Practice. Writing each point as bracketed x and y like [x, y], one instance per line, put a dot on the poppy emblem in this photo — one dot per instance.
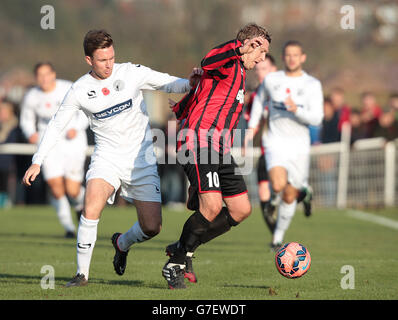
[105, 91]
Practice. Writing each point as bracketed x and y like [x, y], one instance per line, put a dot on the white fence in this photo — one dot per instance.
[362, 175]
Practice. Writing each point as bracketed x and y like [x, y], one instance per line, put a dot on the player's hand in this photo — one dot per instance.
[71, 134]
[31, 174]
[195, 76]
[250, 45]
[33, 138]
[290, 105]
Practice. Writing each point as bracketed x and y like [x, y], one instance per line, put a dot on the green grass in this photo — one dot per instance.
[237, 265]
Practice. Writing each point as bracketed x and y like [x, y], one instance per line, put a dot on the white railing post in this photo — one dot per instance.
[342, 184]
[389, 174]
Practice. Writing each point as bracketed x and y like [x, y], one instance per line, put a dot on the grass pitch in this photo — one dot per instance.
[237, 265]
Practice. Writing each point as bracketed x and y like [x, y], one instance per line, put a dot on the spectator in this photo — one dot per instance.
[341, 108]
[388, 122]
[327, 163]
[357, 129]
[8, 134]
[370, 113]
[393, 104]
[330, 125]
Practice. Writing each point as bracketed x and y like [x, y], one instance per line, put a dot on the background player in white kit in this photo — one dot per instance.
[111, 97]
[295, 101]
[63, 168]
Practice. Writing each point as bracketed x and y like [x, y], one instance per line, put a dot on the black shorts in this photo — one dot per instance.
[213, 172]
[262, 173]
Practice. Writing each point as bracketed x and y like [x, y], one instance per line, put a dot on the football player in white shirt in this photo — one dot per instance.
[63, 168]
[111, 97]
[295, 102]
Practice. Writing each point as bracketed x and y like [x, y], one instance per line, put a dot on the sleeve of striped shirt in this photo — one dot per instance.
[220, 55]
[182, 107]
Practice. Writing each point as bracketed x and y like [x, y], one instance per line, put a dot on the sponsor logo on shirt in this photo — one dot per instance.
[110, 112]
[240, 96]
[282, 106]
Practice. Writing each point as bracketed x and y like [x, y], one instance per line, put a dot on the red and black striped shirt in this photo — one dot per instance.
[212, 109]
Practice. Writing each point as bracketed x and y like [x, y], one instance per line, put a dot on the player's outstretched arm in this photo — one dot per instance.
[31, 174]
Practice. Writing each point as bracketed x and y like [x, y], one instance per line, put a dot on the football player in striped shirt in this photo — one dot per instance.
[211, 112]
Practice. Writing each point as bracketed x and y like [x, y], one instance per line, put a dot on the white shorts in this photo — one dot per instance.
[64, 162]
[135, 184]
[295, 162]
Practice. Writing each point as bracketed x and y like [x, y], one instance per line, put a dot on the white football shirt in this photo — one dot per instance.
[287, 129]
[39, 107]
[116, 111]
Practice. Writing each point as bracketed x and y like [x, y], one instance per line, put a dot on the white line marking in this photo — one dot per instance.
[386, 222]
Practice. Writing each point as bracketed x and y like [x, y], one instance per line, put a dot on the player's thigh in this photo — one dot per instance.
[57, 186]
[149, 216]
[97, 193]
[239, 207]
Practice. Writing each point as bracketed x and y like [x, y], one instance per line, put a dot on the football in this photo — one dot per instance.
[292, 260]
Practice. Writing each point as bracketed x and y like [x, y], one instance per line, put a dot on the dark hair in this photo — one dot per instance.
[367, 94]
[294, 43]
[327, 99]
[338, 90]
[41, 64]
[393, 95]
[96, 39]
[252, 30]
[271, 59]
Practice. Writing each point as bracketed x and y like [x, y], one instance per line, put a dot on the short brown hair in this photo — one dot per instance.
[252, 30]
[96, 39]
[41, 64]
[293, 43]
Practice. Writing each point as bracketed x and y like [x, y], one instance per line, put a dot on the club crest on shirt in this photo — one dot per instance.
[240, 96]
[118, 85]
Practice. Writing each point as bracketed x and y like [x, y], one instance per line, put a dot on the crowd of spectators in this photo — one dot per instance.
[368, 120]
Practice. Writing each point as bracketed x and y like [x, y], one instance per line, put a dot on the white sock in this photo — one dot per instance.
[86, 237]
[285, 214]
[133, 235]
[78, 202]
[63, 212]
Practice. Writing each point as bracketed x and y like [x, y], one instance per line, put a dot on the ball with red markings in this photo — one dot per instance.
[293, 260]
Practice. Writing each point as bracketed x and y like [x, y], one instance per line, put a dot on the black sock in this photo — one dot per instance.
[264, 205]
[193, 229]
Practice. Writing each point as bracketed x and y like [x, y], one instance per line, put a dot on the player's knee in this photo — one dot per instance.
[278, 186]
[73, 193]
[211, 210]
[152, 229]
[289, 198]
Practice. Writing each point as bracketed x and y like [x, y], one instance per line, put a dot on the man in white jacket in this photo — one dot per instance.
[111, 97]
[295, 102]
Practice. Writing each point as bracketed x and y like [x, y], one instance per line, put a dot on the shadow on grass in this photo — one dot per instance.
[30, 279]
[245, 286]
